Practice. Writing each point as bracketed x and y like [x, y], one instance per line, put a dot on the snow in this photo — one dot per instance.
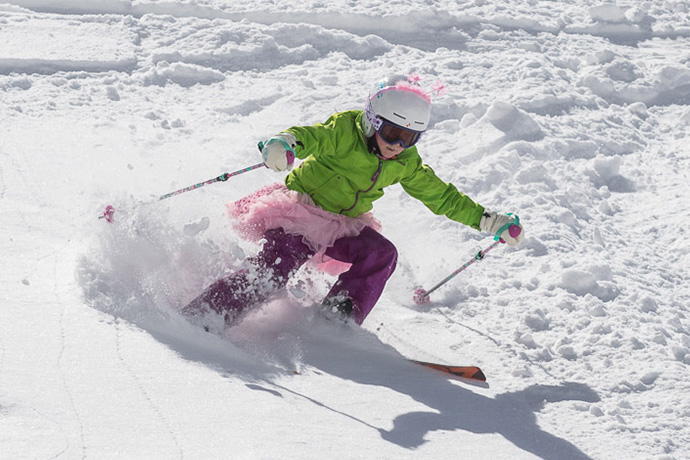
[572, 114]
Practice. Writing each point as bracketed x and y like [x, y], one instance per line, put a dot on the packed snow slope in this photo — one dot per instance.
[574, 115]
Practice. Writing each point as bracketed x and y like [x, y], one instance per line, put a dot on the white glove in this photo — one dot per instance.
[279, 152]
[494, 223]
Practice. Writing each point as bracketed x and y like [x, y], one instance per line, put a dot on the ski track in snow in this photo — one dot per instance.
[64, 373]
[574, 115]
[170, 433]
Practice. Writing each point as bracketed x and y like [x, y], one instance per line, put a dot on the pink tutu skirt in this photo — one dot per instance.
[275, 206]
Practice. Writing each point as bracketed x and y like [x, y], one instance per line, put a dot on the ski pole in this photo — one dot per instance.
[221, 178]
[421, 295]
[109, 211]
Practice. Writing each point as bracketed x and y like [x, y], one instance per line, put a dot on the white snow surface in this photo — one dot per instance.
[574, 115]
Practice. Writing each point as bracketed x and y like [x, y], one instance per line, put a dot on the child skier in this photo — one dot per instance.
[323, 207]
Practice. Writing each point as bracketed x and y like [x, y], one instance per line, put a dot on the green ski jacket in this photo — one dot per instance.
[342, 176]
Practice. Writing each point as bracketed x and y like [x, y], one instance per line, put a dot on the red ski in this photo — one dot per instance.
[466, 372]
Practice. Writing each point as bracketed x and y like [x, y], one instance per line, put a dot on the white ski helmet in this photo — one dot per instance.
[397, 101]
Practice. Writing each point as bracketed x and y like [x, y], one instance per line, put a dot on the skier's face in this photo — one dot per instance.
[388, 151]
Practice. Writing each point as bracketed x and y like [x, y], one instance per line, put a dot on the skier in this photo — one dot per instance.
[323, 208]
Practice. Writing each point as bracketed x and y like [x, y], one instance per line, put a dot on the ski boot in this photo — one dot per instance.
[337, 307]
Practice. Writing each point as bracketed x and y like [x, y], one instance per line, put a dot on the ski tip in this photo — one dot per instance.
[468, 372]
[473, 373]
[479, 375]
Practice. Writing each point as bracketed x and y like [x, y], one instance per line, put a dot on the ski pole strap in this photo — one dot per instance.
[287, 146]
[507, 226]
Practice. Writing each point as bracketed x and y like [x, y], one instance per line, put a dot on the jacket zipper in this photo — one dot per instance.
[374, 179]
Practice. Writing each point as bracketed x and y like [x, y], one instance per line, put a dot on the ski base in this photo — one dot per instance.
[466, 372]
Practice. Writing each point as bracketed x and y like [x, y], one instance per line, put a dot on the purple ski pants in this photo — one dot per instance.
[372, 256]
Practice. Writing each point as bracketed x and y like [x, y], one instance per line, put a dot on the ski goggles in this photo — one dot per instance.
[394, 134]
